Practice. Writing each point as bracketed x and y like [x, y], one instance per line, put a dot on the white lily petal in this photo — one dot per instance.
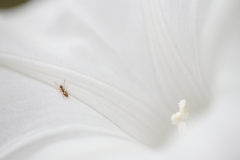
[112, 74]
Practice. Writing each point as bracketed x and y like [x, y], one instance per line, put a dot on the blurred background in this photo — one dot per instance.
[7, 4]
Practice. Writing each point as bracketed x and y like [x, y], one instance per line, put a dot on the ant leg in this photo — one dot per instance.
[64, 83]
[56, 84]
[59, 89]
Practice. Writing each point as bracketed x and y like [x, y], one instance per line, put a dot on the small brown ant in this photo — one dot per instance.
[62, 89]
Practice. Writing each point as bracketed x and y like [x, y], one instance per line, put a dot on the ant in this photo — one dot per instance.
[62, 89]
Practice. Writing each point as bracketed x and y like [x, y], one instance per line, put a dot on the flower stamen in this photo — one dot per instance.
[177, 118]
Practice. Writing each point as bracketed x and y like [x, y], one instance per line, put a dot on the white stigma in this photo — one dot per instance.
[177, 118]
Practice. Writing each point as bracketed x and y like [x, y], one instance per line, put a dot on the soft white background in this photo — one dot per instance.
[126, 64]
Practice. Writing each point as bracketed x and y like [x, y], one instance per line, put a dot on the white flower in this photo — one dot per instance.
[177, 118]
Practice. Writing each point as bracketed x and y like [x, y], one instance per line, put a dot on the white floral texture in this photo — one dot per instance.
[126, 64]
